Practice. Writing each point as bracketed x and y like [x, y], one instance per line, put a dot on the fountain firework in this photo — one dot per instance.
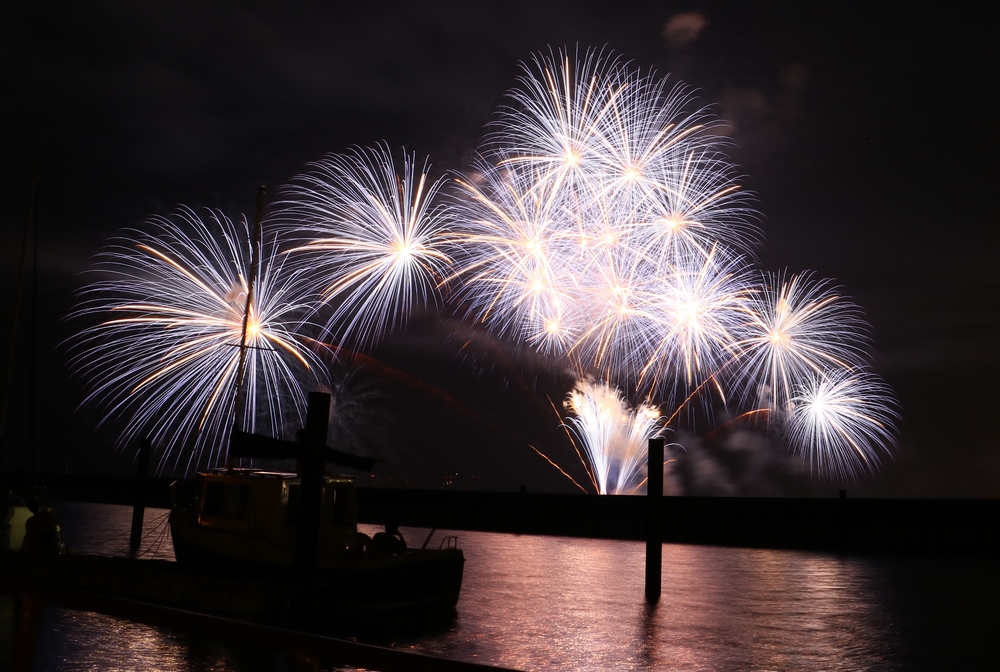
[613, 437]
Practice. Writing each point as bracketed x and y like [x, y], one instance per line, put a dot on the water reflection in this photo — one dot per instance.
[78, 641]
[105, 529]
[763, 609]
[561, 603]
[557, 603]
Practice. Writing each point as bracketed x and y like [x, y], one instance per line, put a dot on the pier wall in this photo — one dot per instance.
[936, 526]
[946, 526]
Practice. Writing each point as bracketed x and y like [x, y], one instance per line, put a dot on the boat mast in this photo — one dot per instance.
[28, 236]
[241, 397]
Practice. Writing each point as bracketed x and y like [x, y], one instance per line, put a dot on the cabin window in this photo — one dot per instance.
[342, 513]
[294, 489]
[227, 500]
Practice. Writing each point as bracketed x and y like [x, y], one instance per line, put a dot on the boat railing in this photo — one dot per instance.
[448, 542]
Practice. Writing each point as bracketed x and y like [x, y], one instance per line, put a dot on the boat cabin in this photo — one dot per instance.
[251, 515]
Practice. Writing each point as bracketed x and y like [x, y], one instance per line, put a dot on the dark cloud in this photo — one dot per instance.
[764, 119]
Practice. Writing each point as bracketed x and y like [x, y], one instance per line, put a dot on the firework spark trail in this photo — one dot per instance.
[368, 238]
[842, 423]
[613, 436]
[164, 354]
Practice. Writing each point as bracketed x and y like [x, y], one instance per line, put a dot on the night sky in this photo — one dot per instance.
[867, 135]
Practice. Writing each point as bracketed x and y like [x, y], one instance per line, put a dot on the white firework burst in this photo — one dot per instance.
[599, 222]
[367, 237]
[842, 423]
[796, 327]
[164, 353]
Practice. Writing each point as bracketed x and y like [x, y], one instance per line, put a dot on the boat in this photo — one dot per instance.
[263, 545]
[303, 525]
[249, 523]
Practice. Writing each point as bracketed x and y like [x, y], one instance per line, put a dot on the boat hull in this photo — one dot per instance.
[416, 580]
[394, 592]
[245, 525]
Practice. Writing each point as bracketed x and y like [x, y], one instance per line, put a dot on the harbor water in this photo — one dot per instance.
[558, 603]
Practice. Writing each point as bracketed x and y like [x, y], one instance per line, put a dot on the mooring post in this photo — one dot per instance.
[654, 519]
[27, 617]
[311, 467]
[311, 472]
[139, 501]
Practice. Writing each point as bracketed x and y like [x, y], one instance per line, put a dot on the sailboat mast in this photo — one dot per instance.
[29, 237]
[241, 395]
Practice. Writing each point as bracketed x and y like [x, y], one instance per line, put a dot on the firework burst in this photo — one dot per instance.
[842, 423]
[597, 132]
[797, 327]
[512, 254]
[367, 239]
[164, 355]
[605, 224]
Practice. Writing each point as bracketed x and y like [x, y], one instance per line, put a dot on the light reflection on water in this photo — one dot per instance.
[578, 603]
[104, 529]
[558, 603]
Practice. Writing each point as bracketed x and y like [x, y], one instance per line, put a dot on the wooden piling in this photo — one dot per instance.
[311, 468]
[27, 616]
[139, 501]
[654, 519]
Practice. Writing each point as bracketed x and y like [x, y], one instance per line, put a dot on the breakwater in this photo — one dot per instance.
[946, 526]
[917, 526]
